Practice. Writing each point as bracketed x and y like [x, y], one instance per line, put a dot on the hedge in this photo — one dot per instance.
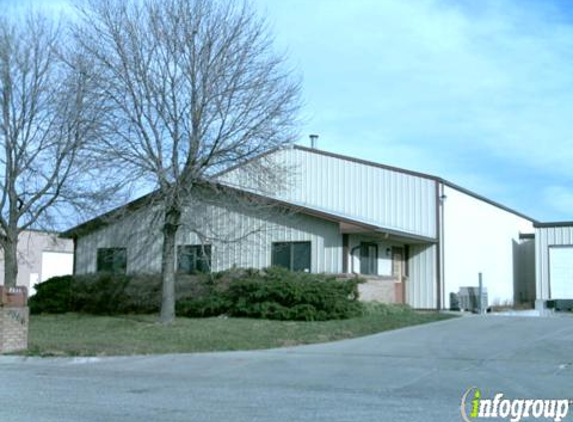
[274, 293]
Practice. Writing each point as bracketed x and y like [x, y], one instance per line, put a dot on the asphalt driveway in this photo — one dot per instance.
[414, 374]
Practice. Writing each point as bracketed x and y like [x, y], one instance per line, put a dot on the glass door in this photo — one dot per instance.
[368, 258]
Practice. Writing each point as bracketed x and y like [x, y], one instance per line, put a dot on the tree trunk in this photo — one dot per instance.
[172, 219]
[10, 263]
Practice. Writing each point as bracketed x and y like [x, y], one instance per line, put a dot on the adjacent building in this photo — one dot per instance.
[41, 255]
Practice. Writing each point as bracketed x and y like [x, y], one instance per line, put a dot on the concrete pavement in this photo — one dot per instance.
[414, 374]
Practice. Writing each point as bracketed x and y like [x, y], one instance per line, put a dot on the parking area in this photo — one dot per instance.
[414, 374]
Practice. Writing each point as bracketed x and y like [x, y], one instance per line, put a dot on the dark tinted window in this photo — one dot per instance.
[193, 259]
[281, 254]
[292, 255]
[112, 260]
[368, 258]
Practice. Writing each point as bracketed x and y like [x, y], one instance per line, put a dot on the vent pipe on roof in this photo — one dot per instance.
[313, 141]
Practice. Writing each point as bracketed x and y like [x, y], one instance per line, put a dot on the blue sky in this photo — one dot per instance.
[478, 92]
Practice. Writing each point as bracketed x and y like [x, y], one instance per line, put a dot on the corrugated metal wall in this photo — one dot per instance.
[238, 238]
[422, 282]
[383, 197]
[135, 233]
[544, 238]
[249, 237]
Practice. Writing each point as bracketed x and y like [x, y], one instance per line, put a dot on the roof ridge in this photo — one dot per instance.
[417, 174]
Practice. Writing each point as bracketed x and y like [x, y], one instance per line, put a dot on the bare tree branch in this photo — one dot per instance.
[191, 87]
[45, 125]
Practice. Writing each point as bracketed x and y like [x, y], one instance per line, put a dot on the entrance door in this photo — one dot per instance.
[398, 273]
[368, 258]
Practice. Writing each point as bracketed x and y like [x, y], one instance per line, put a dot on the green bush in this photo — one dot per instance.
[280, 294]
[142, 295]
[98, 294]
[274, 293]
[53, 296]
[214, 304]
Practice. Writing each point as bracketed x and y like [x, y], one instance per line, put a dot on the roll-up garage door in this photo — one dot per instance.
[561, 272]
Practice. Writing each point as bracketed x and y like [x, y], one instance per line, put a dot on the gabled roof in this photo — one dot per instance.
[413, 173]
[97, 222]
[102, 220]
[553, 224]
[108, 217]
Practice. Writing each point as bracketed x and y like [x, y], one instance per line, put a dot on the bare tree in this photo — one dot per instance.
[192, 87]
[44, 123]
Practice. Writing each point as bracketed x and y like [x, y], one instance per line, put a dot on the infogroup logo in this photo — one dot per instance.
[475, 407]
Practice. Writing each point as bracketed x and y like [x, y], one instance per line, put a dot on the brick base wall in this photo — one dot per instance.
[14, 329]
[377, 290]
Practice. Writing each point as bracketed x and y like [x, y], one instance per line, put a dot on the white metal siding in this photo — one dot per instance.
[422, 282]
[239, 239]
[382, 197]
[544, 238]
[478, 237]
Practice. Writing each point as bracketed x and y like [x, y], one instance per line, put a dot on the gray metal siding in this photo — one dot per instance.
[251, 236]
[238, 239]
[544, 238]
[379, 196]
[422, 283]
[134, 233]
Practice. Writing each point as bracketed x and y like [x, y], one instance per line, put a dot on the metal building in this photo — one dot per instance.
[415, 237]
[554, 262]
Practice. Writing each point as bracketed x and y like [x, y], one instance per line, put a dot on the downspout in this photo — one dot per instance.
[442, 244]
[438, 245]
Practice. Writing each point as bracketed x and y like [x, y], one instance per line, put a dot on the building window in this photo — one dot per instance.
[292, 255]
[368, 258]
[112, 260]
[193, 259]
